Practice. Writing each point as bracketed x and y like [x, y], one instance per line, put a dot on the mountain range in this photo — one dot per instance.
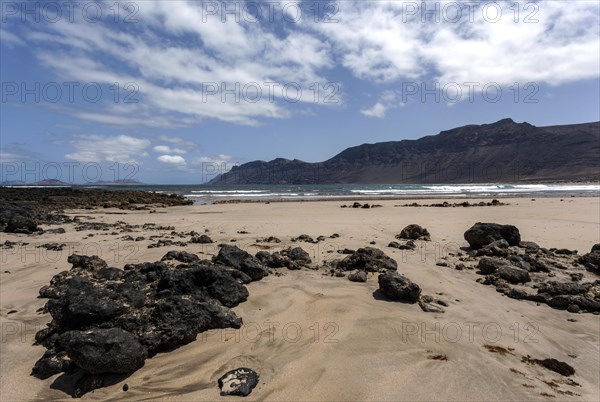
[500, 152]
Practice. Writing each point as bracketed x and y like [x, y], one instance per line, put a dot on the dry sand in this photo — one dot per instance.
[316, 337]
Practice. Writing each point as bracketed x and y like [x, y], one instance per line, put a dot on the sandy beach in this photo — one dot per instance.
[315, 337]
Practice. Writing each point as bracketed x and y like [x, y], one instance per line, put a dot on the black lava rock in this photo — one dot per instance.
[482, 234]
[368, 259]
[414, 232]
[397, 287]
[238, 382]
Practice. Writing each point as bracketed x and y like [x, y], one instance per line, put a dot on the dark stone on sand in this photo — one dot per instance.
[297, 254]
[409, 245]
[305, 238]
[100, 351]
[414, 232]
[91, 263]
[270, 239]
[430, 308]
[513, 274]
[182, 256]
[517, 294]
[51, 364]
[358, 276]
[254, 269]
[202, 239]
[275, 260]
[591, 260]
[368, 259]
[231, 256]
[56, 231]
[399, 288]
[498, 248]
[560, 301]
[554, 288]
[21, 224]
[565, 251]
[557, 366]
[576, 276]
[239, 382]
[489, 265]
[529, 246]
[107, 321]
[482, 234]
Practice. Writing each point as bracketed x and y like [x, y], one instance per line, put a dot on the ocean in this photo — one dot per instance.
[202, 194]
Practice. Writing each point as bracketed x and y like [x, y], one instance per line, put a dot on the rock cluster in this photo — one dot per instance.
[505, 260]
[202, 239]
[107, 320]
[591, 260]
[363, 206]
[464, 204]
[409, 245]
[22, 210]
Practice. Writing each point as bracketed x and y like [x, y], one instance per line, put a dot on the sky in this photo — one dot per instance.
[174, 92]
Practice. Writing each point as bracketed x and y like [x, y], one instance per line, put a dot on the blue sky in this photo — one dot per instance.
[144, 84]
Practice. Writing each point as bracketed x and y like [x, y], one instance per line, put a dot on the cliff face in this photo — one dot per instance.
[504, 151]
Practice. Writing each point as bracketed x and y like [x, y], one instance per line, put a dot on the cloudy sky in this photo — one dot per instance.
[172, 91]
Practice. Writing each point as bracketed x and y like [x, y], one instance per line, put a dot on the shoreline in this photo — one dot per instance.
[441, 197]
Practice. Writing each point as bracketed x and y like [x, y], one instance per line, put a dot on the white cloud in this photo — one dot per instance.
[165, 149]
[378, 110]
[172, 58]
[385, 103]
[10, 38]
[178, 50]
[222, 162]
[179, 142]
[221, 158]
[172, 159]
[376, 41]
[95, 148]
